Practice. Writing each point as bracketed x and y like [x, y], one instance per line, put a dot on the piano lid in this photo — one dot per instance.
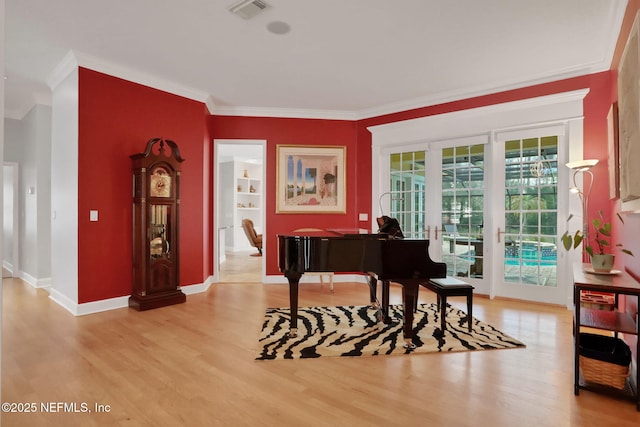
[329, 232]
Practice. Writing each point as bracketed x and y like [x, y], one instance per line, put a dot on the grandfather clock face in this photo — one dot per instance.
[160, 182]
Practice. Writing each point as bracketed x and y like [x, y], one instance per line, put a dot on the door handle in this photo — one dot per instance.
[428, 232]
[499, 233]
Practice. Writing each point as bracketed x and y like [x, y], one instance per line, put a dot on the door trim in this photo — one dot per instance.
[15, 203]
[216, 199]
[561, 107]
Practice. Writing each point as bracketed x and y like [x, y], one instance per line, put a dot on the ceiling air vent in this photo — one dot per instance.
[247, 9]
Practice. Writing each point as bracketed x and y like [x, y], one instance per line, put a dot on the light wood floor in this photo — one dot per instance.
[193, 365]
[241, 267]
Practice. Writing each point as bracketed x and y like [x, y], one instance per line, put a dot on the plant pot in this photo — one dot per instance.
[602, 263]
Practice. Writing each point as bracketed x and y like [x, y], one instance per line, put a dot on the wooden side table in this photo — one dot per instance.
[620, 283]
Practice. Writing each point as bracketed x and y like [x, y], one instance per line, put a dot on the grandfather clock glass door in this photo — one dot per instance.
[156, 205]
[160, 240]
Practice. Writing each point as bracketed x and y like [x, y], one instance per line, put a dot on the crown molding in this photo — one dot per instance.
[17, 114]
[38, 98]
[412, 104]
[473, 92]
[542, 109]
[75, 59]
[62, 70]
[284, 112]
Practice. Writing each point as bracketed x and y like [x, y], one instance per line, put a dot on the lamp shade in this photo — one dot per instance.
[580, 165]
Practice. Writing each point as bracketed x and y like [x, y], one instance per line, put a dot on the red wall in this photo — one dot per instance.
[627, 233]
[357, 138]
[596, 108]
[299, 132]
[116, 119]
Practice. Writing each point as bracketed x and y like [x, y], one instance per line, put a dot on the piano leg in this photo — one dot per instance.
[294, 280]
[373, 290]
[409, 297]
[385, 302]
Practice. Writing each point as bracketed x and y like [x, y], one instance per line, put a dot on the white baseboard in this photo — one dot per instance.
[7, 266]
[112, 303]
[197, 288]
[36, 283]
[63, 301]
[123, 302]
[88, 307]
[102, 305]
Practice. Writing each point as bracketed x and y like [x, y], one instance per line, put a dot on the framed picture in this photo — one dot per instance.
[612, 152]
[629, 122]
[310, 179]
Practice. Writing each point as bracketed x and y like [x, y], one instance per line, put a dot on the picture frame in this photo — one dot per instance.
[629, 122]
[310, 179]
[613, 155]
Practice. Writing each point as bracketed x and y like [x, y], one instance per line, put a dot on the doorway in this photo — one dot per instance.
[440, 192]
[529, 216]
[468, 171]
[437, 192]
[239, 194]
[10, 205]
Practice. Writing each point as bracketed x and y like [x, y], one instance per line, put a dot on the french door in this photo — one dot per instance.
[530, 218]
[436, 191]
[487, 205]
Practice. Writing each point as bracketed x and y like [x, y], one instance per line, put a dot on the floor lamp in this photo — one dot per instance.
[392, 198]
[583, 166]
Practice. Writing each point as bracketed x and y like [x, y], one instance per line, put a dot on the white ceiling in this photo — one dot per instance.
[342, 58]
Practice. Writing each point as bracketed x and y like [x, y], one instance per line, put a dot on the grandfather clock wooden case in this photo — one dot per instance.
[156, 212]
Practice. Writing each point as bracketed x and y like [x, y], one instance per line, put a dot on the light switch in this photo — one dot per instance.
[93, 215]
[364, 217]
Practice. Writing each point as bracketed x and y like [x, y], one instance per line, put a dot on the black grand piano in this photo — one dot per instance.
[406, 262]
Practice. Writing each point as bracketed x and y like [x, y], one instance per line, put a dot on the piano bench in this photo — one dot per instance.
[450, 287]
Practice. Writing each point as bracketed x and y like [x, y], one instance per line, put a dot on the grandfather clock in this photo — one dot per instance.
[156, 212]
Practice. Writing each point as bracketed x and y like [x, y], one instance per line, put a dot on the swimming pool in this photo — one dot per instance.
[531, 255]
[531, 262]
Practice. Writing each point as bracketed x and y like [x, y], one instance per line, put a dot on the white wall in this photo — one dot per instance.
[1, 147]
[64, 192]
[12, 159]
[12, 132]
[35, 242]
[28, 143]
[8, 257]
[42, 137]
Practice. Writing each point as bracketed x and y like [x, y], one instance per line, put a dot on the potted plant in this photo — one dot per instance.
[601, 261]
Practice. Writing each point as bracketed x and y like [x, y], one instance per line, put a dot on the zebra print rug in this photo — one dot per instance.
[355, 331]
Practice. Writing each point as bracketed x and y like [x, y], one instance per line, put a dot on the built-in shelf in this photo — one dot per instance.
[247, 201]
